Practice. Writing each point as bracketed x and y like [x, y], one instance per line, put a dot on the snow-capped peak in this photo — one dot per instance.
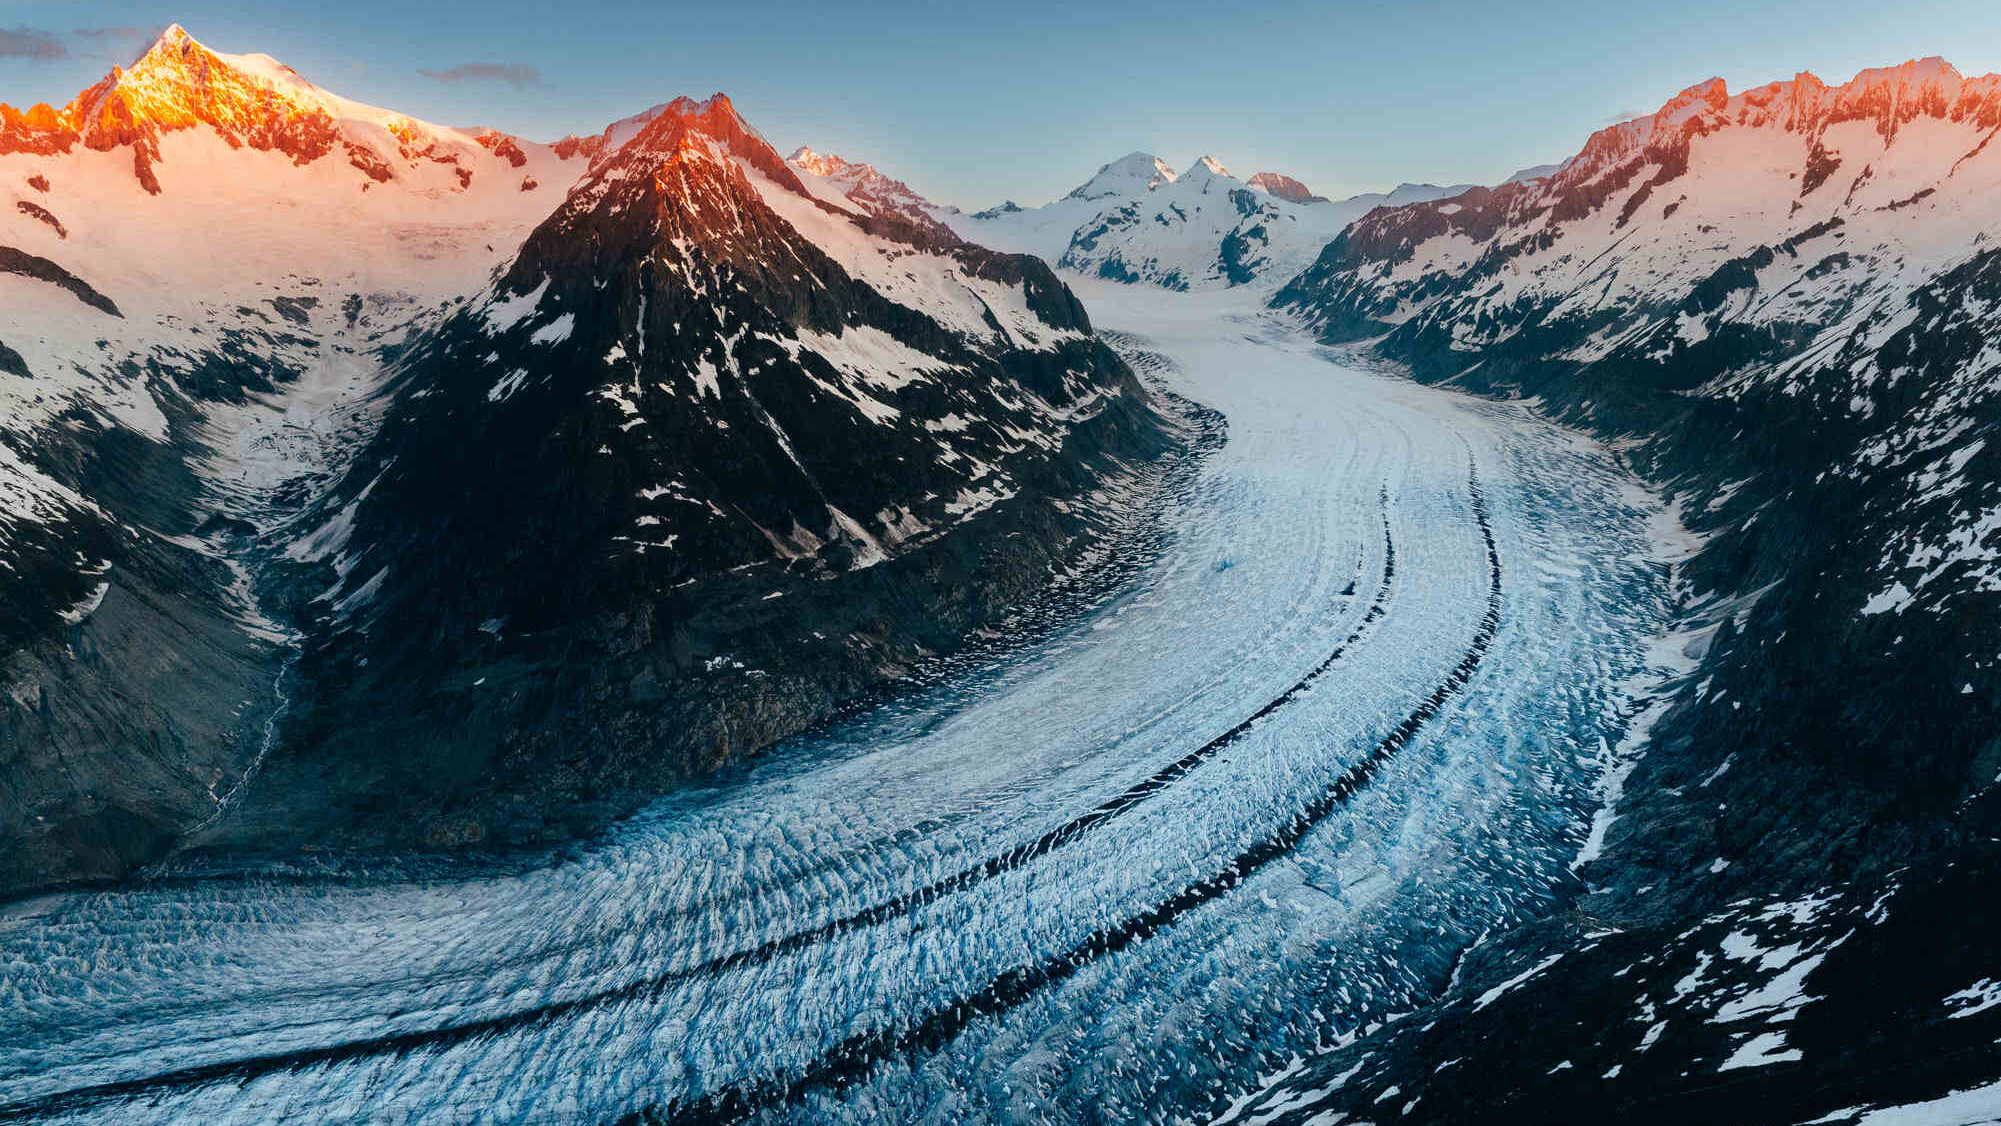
[681, 127]
[1886, 97]
[864, 186]
[1129, 174]
[250, 101]
[179, 83]
[819, 164]
[852, 177]
[174, 40]
[1205, 167]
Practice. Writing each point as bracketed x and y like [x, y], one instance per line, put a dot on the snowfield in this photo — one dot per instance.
[1354, 719]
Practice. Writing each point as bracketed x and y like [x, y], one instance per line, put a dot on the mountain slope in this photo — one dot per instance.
[1783, 301]
[1284, 187]
[710, 458]
[202, 261]
[229, 300]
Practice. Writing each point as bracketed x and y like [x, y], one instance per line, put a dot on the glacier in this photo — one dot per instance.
[1349, 722]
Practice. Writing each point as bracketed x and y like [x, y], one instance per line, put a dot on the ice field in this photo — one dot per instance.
[1352, 719]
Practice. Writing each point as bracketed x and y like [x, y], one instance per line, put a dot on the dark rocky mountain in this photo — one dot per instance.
[696, 430]
[1783, 304]
[703, 466]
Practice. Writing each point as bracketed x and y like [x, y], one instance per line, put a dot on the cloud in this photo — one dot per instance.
[28, 43]
[118, 40]
[514, 74]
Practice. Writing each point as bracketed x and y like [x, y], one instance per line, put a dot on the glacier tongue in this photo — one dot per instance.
[1363, 551]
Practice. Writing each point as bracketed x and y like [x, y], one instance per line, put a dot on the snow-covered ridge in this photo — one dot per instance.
[1869, 187]
[1136, 171]
[249, 100]
[1205, 167]
[300, 312]
[865, 187]
[1136, 220]
[1885, 98]
[193, 190]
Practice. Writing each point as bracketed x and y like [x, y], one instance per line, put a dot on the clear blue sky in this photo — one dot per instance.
[1024, 98]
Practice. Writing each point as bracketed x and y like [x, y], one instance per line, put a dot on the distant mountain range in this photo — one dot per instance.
[1136, 220]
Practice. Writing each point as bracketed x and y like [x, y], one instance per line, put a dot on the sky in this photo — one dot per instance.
[1024, 99]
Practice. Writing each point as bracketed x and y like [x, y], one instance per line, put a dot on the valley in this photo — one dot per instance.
[1357, 657]
[639, 628]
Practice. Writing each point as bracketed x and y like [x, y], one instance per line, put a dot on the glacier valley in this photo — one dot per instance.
[1364, 709]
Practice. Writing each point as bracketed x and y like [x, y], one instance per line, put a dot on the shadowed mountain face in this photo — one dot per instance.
[682, 482]
[1783, 300]
[447, 517]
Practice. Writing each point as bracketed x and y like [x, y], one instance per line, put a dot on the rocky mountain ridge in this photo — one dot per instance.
[1780, 302]
[863, 186]
[249, 101]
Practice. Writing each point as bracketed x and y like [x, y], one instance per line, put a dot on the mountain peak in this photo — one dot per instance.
[175, 39]
[865, 185]
[1281, 186]
[1914, 73]
[831, 166]
[1803, 105]
[249, 101]
[1124, 175]
[675, 131]
[1712, 94]
[179, 84]
[816, 163]
[1207, 164]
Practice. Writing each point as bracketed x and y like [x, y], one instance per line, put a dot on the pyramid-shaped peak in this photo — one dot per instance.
[173, 49]
[175, 37]
[827, 164]
[685, 128]
[1205, 167]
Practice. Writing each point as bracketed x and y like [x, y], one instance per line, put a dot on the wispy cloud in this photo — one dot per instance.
[118, 41]
[516, 75]
[30, 43]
